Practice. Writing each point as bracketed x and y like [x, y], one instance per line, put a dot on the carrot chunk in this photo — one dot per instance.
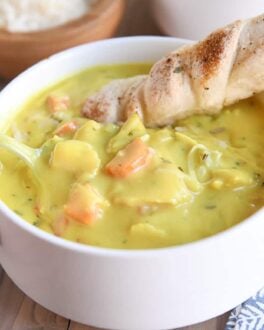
[66, 128]
[58, 103]
[134, 157]
[84, 204]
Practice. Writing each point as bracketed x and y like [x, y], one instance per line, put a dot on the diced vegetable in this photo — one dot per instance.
[147, 209]
[163, 185]
[97, 135]
[85, 204]
[88, 131]
[185, 139]
[130, 130]
[146, 235]
[134, 157]
[230, 178]
[66, 128]
[60, 225]
[145, 230]
[75, 156]
[57, 103]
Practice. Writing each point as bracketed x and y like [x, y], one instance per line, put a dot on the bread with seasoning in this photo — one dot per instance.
[226, 67]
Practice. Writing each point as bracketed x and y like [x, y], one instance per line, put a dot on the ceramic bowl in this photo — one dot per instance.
[194, 19]
[123, 289]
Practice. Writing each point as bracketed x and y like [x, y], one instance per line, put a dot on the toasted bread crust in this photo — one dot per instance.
[222, 69]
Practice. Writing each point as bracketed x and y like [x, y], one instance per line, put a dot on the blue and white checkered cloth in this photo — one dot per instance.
[249, 315]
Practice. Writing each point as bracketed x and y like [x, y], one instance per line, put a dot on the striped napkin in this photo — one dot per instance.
[249, 315]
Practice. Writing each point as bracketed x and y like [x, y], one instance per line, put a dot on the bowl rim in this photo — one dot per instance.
[105, 251]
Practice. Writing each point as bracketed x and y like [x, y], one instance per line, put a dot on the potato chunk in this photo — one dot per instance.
[75, 156]
[85, 204]
[230, 178]
[130, 130]
[146, 230]
[89, 131]
[165, 185]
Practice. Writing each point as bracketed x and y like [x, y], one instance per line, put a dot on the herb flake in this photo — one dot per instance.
[178, 69]
[210, 207]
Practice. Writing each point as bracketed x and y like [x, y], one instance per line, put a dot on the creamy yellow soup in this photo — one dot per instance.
[126, 186]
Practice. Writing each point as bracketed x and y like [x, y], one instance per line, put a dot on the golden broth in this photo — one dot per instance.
[204, 175]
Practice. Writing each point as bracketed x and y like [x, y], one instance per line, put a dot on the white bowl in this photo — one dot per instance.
[119, 289]
[195, 19]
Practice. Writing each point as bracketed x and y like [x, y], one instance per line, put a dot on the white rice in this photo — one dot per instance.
[33, 15]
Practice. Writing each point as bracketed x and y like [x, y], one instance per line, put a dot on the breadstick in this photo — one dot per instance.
[201, 78]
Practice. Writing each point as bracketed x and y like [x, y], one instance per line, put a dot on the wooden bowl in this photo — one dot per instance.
[21, 50]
